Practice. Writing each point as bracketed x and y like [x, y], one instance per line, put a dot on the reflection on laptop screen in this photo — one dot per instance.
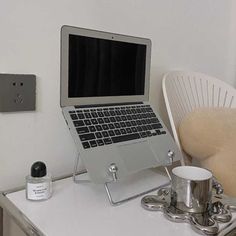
[101, 67]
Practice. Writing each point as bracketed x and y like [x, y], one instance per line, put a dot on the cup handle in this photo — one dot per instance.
[217, 186]
[208, 230]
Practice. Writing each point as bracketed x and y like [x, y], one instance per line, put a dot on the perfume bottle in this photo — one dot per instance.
[38, 183]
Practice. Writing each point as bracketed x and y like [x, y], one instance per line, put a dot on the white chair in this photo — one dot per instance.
[184, 91]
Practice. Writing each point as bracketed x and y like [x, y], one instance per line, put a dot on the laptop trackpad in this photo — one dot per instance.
[137, 156]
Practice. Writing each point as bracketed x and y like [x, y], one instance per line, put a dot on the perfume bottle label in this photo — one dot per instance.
[38, 191]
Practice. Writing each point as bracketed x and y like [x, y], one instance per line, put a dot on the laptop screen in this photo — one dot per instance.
[100, 67]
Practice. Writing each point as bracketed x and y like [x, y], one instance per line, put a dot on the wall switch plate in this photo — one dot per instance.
[17, 92]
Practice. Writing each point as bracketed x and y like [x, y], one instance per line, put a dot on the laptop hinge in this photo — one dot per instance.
[106, 105]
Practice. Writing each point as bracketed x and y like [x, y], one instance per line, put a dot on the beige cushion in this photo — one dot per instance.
[209, 135]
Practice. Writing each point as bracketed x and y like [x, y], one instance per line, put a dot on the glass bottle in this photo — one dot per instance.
[38, 183]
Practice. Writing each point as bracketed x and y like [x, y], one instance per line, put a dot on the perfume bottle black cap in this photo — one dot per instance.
[38, 169]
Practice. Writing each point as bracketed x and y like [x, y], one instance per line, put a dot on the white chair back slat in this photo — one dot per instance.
[231, 101]
[185, 91]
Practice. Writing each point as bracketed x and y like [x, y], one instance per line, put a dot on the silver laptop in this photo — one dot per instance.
[104, 99]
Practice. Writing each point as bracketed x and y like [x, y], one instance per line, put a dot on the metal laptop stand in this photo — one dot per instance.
[113, 171]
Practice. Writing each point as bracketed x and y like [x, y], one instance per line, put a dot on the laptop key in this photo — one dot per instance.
[98, 135]
[107, 140]
[129, 117]
[144, 128]
[124, 118]
[134, 129]
[82, 130]
[123, 112]
[139, 116]
[100, 114]
[100, 121]
[117, 125]
[111, 133]
[122, 124]
[153, 132]
[85, 145]
[152, 115]
[143, 134]
[106, 120]
[123, 131]
[112, 113]
[73, 116]
[118, 118]
[144, 116]
[93, 143]
[86, 137]
[98, 127]
[80, 116]
[105, 134]
[149, 109]
[158, 132]
[128, 124]
[112, 119]
[128, 130]
[78, 123]
[139, 128]
[144, 122]
[124, 138]
[92, 129]
[100, 142]
[106, 113]
[105, 127]
[94, 114]
[111, 126]
[157, 126]
[87, 122]
[87, 115]
[118, 112]
[117, 132]
[94, 121]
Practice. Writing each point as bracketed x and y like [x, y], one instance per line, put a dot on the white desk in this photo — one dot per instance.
[83, 209]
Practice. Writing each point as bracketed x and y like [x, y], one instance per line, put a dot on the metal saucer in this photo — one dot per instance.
[206, 223]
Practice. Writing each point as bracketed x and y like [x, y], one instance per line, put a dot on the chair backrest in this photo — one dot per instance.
[184, 91]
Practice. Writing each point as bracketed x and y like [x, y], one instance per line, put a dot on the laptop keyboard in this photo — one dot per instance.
[107, 125]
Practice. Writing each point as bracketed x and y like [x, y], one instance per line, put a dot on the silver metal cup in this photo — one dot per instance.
[191, 189]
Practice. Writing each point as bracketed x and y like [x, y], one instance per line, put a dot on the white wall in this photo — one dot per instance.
[197, 35]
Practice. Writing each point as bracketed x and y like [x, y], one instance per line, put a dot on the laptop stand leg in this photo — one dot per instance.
[77, 173]
[167, 172]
